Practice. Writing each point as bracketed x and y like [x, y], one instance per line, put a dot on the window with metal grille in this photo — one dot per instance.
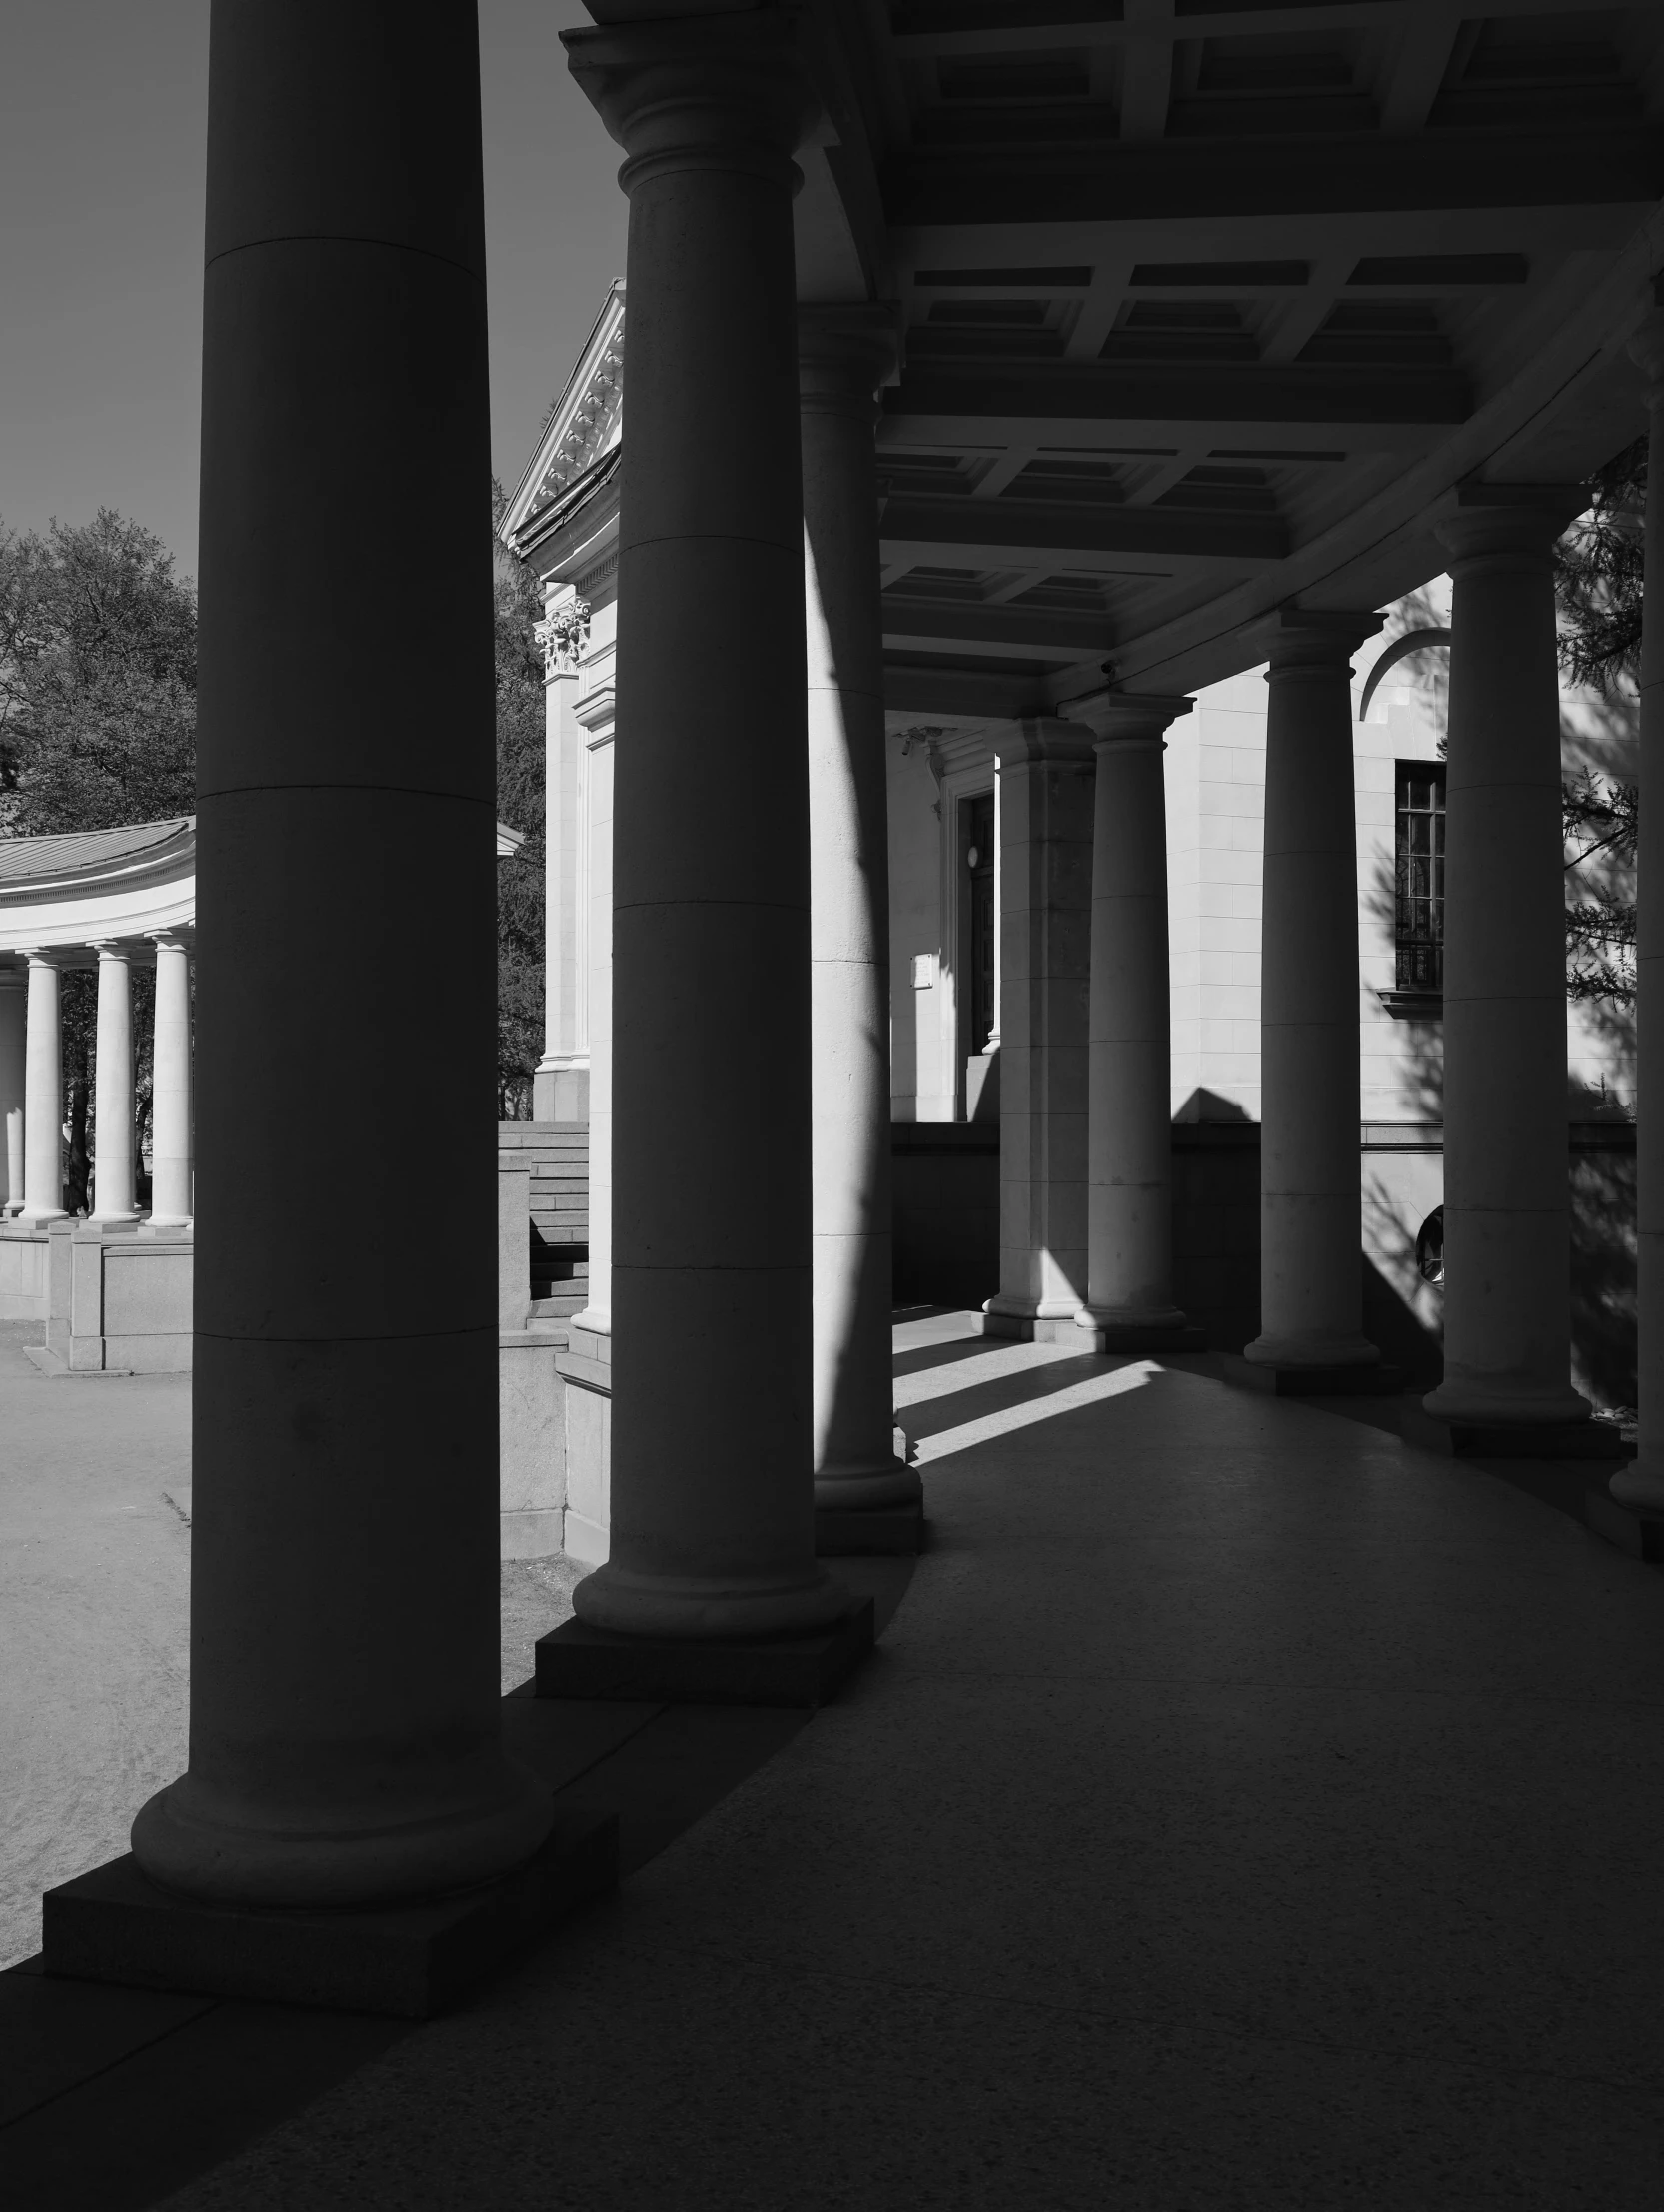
[1419, 929]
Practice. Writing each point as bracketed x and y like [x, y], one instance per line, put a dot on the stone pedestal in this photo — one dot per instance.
[711, 1505]
[1311, 1288]
[1129, 1205]
[842, 354]
[1508, 1289]
[1045, 923]
[345, 1752]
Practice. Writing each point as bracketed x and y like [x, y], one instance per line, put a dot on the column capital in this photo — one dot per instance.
[1115, 716]
[1311, 640]
[1519, 521]
[41, 956]
[174, 941]
[723, 91]
[845, 351]
[1042, 738]
[563, 633]
[111, 948]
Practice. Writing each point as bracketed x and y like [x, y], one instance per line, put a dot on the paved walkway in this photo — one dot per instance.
[1242, 1810]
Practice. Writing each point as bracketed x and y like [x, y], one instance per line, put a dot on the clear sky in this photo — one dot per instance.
[102, 116]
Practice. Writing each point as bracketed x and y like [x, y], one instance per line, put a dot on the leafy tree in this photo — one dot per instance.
[519, 803]
[1598, 575]
[98, 653]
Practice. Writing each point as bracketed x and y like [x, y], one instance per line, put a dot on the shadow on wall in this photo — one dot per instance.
[1603, 1275]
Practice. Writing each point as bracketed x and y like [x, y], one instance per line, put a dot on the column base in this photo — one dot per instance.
[53, 1363]
[1106, 1335]
[799, 1672]
[1372, 1380]
[1637, 1529]
[869, 1531]
[1018, 1321]
[116, 1926]
[1491, 1439]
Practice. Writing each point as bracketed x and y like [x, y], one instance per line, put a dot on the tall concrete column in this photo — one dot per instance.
[560, 1079]
[171, 1145]
[711, 1447]
[843, 351]
[1642, 1482]
[1129, 1199]
[1045, 802]
[343, 1744]
[43, 1101]
[1507, 1282]
[12, 1064]
[1311, 1200]
[113, 1091]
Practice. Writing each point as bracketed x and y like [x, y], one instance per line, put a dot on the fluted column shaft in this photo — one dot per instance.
[559, 1083]
[1642, 1482]
[345, 1745]
[43, 1104]
[842, 353]
[113, 1091]
[1129, 1208]
[170, 1088]
[1046, 866]
[1507, 1266]
[711, 1456]
[1311, 1211]
[13, 1061]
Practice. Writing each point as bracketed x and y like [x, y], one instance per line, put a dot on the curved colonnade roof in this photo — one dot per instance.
[65, 894]
[1203, 307]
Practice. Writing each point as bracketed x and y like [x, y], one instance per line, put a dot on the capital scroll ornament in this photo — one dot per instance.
[563, 636]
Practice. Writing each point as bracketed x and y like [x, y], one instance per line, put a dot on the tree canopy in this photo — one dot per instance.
[1598, 575]
[518, 604]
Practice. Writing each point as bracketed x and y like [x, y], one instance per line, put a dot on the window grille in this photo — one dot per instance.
[1420, 926]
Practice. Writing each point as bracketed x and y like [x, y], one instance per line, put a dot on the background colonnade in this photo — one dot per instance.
[32, 1083]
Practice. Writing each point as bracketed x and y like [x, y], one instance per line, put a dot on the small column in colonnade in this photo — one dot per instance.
[1640, 1485]
[712, 1586]
[1129, 1199]
[865, 1498]
[1507, 1246]
[13, 1061]
[113, 1191]
[1311, 1200]
[43, 1105]
[1046, 785]
[172, 1198]
[560, 1079]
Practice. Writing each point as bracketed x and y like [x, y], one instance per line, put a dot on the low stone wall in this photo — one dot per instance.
[117, 1301]
[22, 1273]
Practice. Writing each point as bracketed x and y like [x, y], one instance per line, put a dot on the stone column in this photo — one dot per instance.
[1642, 1482]
[344, 1746]
[12, 1081]
[43, 1104]
[561, 1081]
[843, 351]
[171, 1147]
[1045, 862]
[1311, 1200]
[113, 1094]
[1508, 1286]
[1129, 1201]
[712, 1466]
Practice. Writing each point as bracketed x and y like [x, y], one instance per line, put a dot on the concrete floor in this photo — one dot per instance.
[1241, 1810]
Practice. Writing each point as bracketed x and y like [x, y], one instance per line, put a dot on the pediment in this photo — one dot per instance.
[584, 423]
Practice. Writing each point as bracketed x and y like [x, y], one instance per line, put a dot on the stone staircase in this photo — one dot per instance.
[557, 1154]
